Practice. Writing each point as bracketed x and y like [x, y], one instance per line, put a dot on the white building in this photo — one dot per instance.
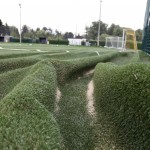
[76, 41]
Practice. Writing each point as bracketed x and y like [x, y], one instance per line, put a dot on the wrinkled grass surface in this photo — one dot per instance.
[122, 96]
[29, 77]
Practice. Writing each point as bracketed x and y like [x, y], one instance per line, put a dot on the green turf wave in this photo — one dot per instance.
[25, 113]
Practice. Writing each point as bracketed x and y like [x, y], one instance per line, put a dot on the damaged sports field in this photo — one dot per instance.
[73, 98]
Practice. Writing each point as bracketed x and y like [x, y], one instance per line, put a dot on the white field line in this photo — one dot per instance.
[15, 49]
[97, 53]
[56, 54]
[38, 50]
[58, 96]
[90, 99]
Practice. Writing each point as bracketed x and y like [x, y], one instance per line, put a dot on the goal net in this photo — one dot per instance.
[114, 42]
[127, 41]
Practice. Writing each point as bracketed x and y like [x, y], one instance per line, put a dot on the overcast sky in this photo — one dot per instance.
[73, 15]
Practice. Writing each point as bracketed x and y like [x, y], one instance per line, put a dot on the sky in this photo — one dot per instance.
[72, 15]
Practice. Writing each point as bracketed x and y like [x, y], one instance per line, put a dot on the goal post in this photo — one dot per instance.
[130, 39]
[113, 42]
[127, 41]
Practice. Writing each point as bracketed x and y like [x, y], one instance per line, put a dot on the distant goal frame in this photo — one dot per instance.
[121, 42]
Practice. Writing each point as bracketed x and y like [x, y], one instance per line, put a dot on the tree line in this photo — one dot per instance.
[90, 34]
[105, 31]
[28, 32]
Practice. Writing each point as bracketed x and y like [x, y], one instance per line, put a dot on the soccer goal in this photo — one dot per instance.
[127, 41]
[114, 42]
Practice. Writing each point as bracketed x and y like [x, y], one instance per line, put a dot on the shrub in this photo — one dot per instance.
[15, 40]
[94, 43]
[24, 40]
[122, 96]
[83, 43]
[102, 43]
[59, 42]
[139, 45]
[27, 40]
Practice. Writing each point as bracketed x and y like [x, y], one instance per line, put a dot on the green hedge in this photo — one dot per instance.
[16, 40]
[139, 45]
[26, 122]
[122, 96]
[24, 40]
[59, 42]
[94, 43]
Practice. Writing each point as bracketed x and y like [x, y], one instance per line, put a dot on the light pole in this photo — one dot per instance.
[20, 23]
[99, 29]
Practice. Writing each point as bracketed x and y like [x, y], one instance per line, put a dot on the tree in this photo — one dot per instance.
[115, 30]
[118, 31]
[1, 23]
[110, 30]
[47, 32]
[92, 31]
[37, 29]
[58, 35]
[2, 28]
[25, 30]
[40, 33]
[78, 36]
[103, 37]
[44, 29]
[7, 29]
[50, 30]
[68, 35]
[14, 31]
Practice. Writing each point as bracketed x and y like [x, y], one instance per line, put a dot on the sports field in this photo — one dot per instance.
[73, 98]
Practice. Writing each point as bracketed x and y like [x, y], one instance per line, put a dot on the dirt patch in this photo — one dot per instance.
[86, 73]
[89, 72]
[58, 96]
[90, 99]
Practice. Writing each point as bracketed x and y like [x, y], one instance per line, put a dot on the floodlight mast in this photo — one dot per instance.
[20, 24]
[99, 29]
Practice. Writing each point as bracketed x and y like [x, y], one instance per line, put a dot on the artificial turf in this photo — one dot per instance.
[30, 76]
